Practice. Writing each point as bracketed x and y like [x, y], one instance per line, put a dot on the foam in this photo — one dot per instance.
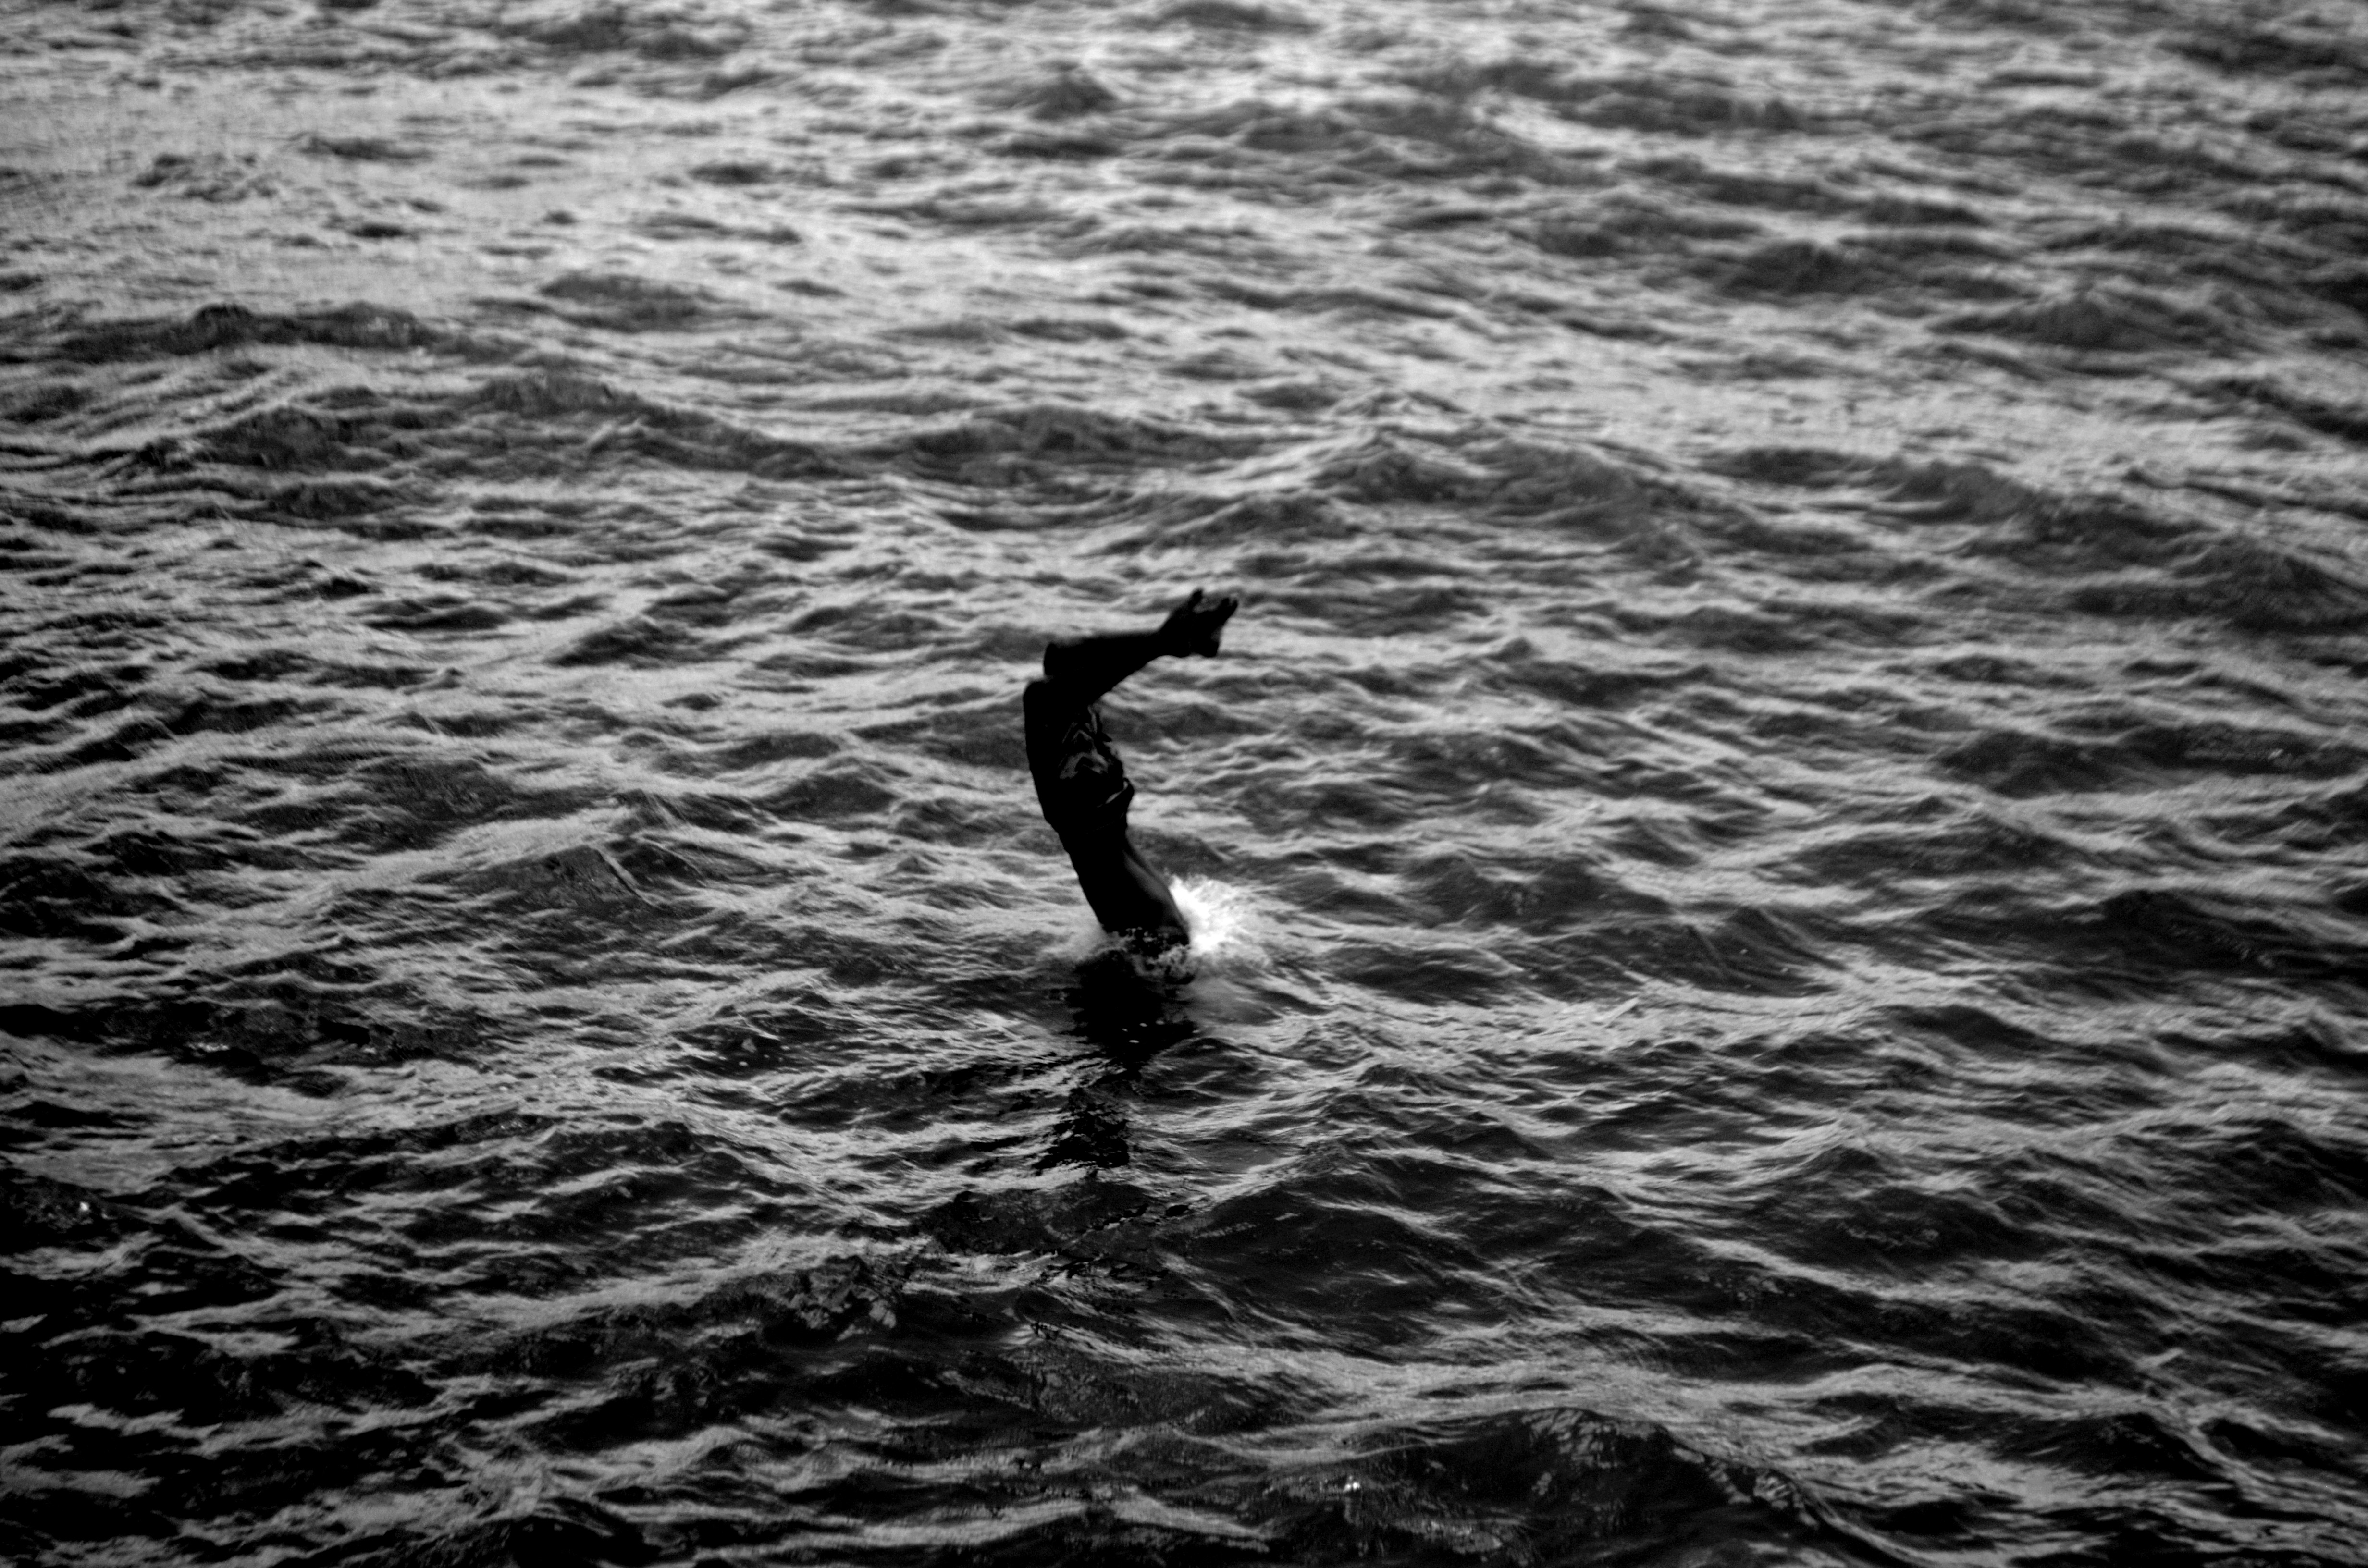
[1227, 926]
[1227, 933]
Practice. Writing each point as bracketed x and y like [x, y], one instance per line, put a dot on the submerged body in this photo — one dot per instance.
[1081, 783]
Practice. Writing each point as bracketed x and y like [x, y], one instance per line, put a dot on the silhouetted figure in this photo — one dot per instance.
[1079, 780]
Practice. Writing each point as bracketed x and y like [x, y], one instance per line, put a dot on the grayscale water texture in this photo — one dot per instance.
[1778, 843]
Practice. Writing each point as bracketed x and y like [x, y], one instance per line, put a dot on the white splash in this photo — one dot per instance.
[1227, 928]
[1227, 934]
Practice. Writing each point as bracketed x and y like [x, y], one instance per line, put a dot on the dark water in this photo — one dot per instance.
[1778, 844]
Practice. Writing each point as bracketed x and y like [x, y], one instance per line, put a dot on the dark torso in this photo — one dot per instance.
[1080, 782]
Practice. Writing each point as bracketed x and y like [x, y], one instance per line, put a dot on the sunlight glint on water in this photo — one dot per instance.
[1775, 856]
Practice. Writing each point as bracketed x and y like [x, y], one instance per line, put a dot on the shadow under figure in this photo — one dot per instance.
[1129, 1016]
[1081, 783]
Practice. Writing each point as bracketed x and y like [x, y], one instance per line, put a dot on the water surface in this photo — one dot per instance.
[1778, 844]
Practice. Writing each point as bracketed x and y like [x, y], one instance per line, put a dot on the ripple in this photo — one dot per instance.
[1773, 853]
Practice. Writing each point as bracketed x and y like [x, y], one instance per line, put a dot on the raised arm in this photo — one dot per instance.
[1087, 667]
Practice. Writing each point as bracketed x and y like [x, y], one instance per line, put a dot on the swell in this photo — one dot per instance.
[1791, 761]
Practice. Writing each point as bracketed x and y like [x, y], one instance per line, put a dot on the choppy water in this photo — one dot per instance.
[1778, 841]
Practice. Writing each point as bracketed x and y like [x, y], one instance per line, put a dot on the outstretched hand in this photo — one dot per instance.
[1195, 625]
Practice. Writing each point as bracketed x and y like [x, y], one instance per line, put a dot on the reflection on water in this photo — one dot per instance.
[1775, 853]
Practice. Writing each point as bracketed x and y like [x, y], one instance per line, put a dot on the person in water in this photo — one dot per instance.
[1081, 783]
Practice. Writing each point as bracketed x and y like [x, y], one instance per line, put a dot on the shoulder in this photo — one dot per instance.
[1049, 708]
[1049, 694]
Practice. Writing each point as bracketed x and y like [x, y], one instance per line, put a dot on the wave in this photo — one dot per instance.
[1773, 854]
